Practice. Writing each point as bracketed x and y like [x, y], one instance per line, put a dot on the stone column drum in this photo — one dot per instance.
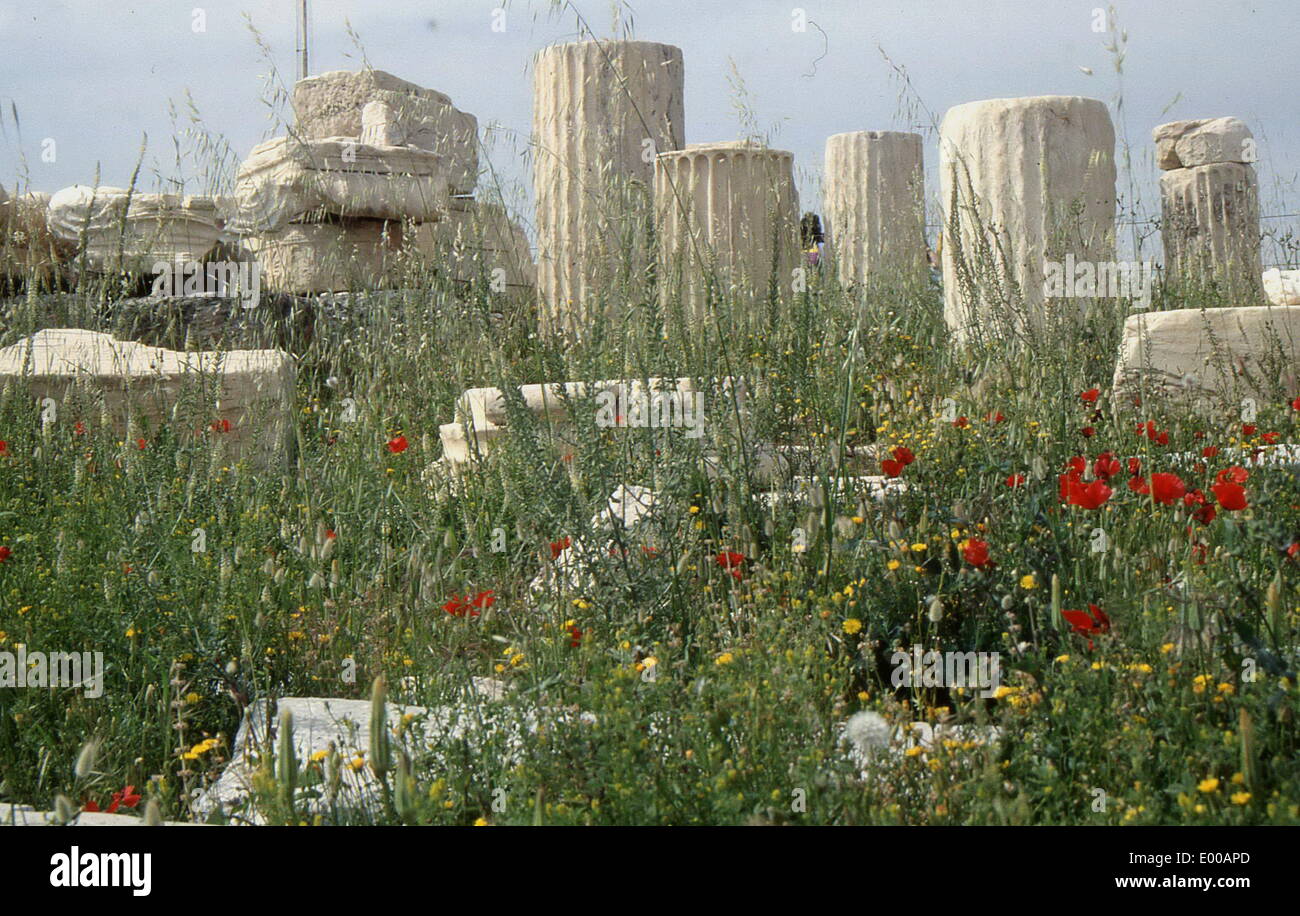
[727, 211]
[601, 112]
[874, 193]
[1022, 181]
[1209, 202]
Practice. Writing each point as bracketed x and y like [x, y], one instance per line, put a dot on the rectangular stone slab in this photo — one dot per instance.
[1223, 353]
[132, 381]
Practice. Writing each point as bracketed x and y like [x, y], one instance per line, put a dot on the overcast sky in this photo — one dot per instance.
[95, 76]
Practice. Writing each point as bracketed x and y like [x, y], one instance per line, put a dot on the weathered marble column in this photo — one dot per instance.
[1023, 181]
[874, 193]
[1210, 207]
[601, 112]
[727, 212]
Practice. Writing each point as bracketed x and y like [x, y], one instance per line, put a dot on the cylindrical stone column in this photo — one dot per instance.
[874, 193]
[727, 219]
[1023, 182]
[601, 112]
[1209, 201]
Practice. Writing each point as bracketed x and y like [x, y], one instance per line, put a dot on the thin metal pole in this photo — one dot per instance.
[302, 15]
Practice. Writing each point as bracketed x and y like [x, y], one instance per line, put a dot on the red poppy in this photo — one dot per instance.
[1134, 465]
[140, 444]
[1294, 547]
[398, 444]
[1087, 496]
[78, 428]
[1198, 435]
[575, 637]
[1148, 429]
[1231, 496]
[1015, 480]
[1090, 396]
[1106, 466]
[221, 426]
[1295, 405]
[996, 417]
[976, 552]
[5, 553]
[4, 449]
[1210, 451]
[961, 422]
[891, 468]
[1271, 438]
[330, 534]
[458, 606]
[1234, 474]
[1077, 465]
[126, 796]
[558, 547]
[903, 455]
[732, 561]
[1164, 488]
[1248, 429]
[1206, 513]
[1087, 432]
[1087, 623]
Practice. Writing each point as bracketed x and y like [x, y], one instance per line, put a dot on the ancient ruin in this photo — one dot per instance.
[1210, 207]
[334, 105]
[727, 217]
[1012, 173]
[601, 112]
[1218, 355]
[874, 193]
[88, 377]
[133, 232]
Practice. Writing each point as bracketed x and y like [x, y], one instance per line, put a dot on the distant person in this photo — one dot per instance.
[812, 239]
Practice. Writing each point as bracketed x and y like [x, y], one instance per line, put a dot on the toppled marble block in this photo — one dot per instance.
[1282, 286]
[27, 247]
[435, 737]
[481, 414]
[285, 178]
[27, 816]
[333, 256]
[1184, 144]
[1220, 354]
[132, 231]
[623, 521]
[479, 241]
[333, 105]
[136, 389]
